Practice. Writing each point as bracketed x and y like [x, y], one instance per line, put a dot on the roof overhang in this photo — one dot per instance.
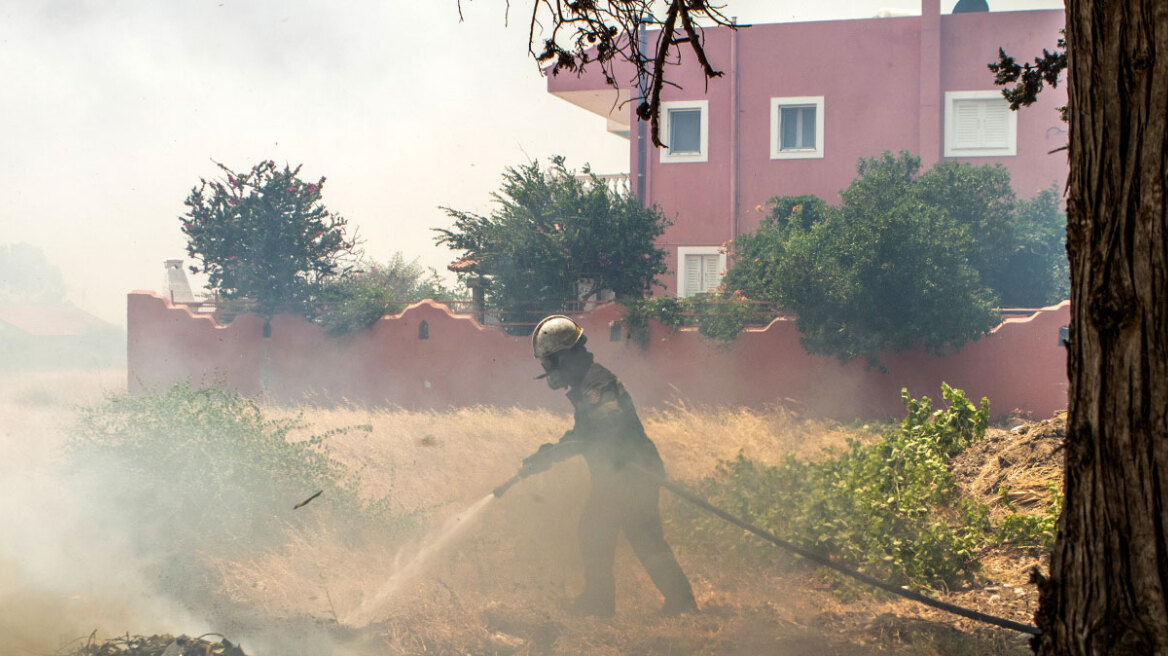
[610, 103]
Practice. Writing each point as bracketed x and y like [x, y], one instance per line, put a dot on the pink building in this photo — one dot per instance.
[800, 103]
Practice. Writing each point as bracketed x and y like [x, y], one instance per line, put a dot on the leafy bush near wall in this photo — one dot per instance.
[891, 508]
[355, 302]
[191, 472]
[721, 316]
[556, 236]
[906, 260]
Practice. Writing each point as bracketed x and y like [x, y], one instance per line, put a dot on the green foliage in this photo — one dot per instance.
[891, 508]
[264, 236]
[795, 212]
[981, 200]
[204, 472]
[1031, 531]
[720, 316]
[355, 302]
[1038, 271]
[1029, 79]
[556, 237]
[905, 260]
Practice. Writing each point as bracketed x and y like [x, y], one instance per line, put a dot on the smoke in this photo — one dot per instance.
[66, 567]
[83, 552]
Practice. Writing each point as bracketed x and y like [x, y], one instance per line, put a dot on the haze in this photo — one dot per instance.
[114, 109]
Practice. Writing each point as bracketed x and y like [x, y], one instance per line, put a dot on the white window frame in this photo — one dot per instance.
[683, 251]
[797, 101]
[669, 157]
[951, 150]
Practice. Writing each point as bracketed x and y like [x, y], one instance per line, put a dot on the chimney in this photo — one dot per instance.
[176, 288]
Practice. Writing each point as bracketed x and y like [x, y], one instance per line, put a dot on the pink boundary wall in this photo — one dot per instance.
[1019, 366]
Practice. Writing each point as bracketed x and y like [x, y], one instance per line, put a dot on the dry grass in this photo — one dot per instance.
[36, 408]
[496, 589]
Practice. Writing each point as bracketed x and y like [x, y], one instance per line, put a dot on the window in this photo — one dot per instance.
[699, 269]
[797, 127]
[685, 128]
[979, 124]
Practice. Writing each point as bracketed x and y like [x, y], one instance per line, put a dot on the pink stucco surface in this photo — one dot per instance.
[882, 92]
[1020, 366]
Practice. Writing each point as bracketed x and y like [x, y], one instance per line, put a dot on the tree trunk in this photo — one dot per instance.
[1109, 569]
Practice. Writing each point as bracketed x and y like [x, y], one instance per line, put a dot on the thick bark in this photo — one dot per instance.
[1109, 569]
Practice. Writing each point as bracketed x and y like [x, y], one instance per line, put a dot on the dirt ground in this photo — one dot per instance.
[495, 586]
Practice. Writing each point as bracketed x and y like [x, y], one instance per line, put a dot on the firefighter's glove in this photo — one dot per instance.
[540, 461]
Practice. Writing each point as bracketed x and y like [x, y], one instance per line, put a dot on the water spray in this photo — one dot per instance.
[449, 531]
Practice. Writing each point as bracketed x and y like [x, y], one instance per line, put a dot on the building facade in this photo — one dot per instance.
[800, 103]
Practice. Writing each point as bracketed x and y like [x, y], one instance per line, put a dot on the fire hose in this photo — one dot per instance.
[694, 499]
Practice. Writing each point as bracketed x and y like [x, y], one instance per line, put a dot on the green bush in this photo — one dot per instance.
[720, 316]
[891, 508]
[906, 260]
[355, 302]
[204, 472]
[556, 236]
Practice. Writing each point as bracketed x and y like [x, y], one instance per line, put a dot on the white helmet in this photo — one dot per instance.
[554, 334]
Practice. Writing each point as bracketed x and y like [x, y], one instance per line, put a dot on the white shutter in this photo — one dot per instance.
[693, 275]
[710, 274]
[967, 121]
[981, 123]
[995, 124]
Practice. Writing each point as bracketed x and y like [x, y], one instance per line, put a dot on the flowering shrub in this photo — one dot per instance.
[263, 235]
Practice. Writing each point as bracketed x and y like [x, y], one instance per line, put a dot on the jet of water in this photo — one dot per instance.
[439, 540]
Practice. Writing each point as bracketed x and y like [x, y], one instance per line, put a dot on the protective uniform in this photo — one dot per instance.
[609, 434]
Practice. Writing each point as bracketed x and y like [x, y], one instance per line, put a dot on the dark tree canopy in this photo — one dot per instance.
[555, 237]
[263, 235]
[1028, 79]
[906, 259]
[883, 270]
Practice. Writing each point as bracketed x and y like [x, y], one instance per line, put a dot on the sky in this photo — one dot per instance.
[114, 109]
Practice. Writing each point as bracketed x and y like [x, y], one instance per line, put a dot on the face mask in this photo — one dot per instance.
[552, 372]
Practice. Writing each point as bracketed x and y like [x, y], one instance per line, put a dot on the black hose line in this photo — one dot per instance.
[826, 562]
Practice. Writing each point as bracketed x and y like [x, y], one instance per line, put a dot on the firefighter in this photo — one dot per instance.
[624, 497]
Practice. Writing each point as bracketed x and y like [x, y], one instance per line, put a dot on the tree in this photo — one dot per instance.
[355, 302]
[264, 236]
[557, 236]
[1106, 593]
[905, 260]
[607, 33]
[1036, 272]
[26, 276]
[980, 199]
